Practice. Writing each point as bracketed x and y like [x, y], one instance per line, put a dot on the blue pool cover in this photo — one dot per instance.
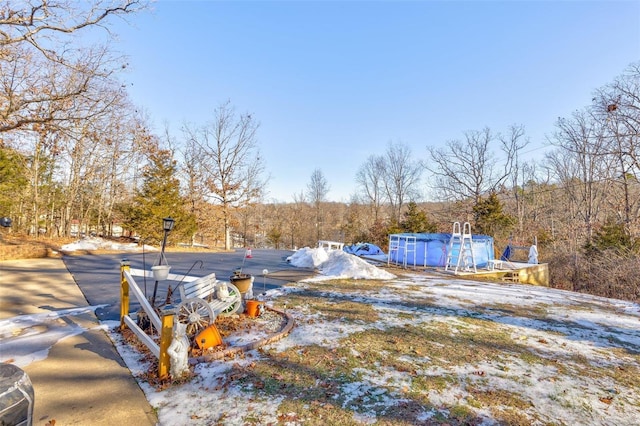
[432, 249]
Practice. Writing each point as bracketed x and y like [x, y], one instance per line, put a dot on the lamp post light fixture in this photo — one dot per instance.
[161, 273]
[167, 224]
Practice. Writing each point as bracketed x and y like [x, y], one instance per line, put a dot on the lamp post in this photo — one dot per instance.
[167, 226]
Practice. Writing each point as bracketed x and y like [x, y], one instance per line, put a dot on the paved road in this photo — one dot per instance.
[98, 276]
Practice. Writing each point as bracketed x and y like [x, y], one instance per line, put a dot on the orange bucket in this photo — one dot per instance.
[253, 308]
[208, 338]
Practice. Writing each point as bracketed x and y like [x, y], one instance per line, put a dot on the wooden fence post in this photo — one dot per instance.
[166, 335]
[124, 292]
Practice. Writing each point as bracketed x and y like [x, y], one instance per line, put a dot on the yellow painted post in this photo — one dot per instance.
[124, 292]
[166, 335]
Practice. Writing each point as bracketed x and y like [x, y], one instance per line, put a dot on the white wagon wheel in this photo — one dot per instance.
[196, 314]
[236, 297]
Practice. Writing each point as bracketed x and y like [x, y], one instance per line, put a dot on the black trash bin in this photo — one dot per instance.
[16, 396]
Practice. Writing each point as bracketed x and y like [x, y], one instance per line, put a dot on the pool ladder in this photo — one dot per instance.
[460, 253]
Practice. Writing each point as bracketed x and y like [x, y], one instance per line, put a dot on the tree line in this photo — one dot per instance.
[76, 155]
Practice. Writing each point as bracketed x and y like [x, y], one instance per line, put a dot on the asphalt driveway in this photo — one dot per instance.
[98, 276]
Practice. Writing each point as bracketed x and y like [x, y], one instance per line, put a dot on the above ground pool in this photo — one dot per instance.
[432, 249]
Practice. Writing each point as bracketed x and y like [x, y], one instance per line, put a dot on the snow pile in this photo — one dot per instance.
[96, 243]
[337, 264]
[309, 258]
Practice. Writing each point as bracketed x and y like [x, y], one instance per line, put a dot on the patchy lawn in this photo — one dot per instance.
[422, 350]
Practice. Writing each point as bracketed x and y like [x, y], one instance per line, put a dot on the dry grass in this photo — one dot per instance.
[429, 355]
[412, 361]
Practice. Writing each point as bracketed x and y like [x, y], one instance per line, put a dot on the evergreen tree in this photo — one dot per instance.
[490, 218]
[274, 236]
[12, 180]
[159, 197]
[610, 236]
[415, 220]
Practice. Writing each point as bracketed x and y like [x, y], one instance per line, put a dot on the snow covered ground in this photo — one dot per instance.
[97, 243]
[580, 362]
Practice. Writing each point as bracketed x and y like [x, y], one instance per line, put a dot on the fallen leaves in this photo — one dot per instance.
[288, 417]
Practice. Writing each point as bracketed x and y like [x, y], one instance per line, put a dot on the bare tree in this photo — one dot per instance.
[356, 222]
[227, 153]
[85, 163]
[97, 155]
[401, 177]
[38, 22]
[520, 173]
[582, 164]
[469, 168]
[617, 106]
[56, 94]
[196, 189]
[297, 220]
[42, 71]
[317, 190]
[526, 201]
[369, 178]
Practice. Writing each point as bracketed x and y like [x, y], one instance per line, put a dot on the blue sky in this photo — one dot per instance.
[332, 82]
